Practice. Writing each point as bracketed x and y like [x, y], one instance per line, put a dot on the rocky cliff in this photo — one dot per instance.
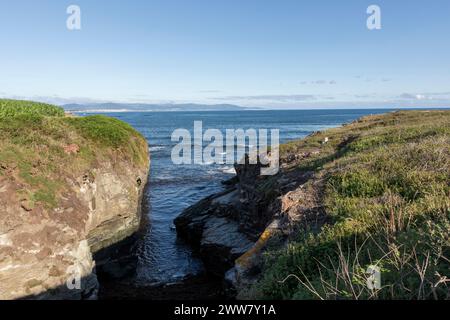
[231, 229]
[69, 187]
[372, 192]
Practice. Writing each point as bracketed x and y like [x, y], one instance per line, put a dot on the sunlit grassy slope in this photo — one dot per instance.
[386, 194]
[40, 145]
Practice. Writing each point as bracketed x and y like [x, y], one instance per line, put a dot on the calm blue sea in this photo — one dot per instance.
[162, 257]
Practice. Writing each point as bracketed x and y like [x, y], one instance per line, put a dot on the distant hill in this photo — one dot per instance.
[123, 107]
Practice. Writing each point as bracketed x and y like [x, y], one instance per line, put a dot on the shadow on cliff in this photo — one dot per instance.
[87, 291]
[119, 261]
[113, 276]
[112, 264]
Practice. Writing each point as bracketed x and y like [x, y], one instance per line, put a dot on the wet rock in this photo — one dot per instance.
[222, 243]
[232, 229]
[225, 226]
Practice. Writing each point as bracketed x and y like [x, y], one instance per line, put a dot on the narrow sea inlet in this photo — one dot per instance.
[162, 257]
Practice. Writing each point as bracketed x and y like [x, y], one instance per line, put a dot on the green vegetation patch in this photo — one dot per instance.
[11, 108]
[104, 130]
[36, 138]
[387, 197]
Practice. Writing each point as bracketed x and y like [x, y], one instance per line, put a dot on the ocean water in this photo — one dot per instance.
[162, 257]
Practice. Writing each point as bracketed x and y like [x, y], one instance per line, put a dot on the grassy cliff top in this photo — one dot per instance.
[384, 185]
[41, 146]
[12, 108]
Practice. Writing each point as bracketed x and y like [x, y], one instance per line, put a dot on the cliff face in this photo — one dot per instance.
[65, 194]
[372, 192]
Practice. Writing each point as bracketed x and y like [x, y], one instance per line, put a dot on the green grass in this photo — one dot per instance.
[11, 108]
[34, 137]
[104, 130]
[387, 195]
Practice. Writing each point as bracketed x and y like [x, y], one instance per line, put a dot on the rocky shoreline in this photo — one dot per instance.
[289, 236]
[232, 229]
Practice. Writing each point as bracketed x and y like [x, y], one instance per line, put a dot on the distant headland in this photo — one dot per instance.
[144, 107]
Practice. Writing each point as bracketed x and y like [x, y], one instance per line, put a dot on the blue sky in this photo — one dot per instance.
[269, 53]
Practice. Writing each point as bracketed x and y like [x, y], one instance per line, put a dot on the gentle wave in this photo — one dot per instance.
[228, 170]
[156, 148]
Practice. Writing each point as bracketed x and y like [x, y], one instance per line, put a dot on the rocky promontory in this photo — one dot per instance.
[373, 193]
[70, 187]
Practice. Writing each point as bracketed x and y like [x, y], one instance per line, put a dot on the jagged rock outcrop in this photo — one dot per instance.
[232, 229]
[211, 225]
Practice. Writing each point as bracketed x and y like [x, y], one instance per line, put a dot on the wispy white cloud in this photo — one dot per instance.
[363, 100]
[272, 97]
[287, 101]
[410, 96]
[319, 82]
[209, 91]
[426, 96]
